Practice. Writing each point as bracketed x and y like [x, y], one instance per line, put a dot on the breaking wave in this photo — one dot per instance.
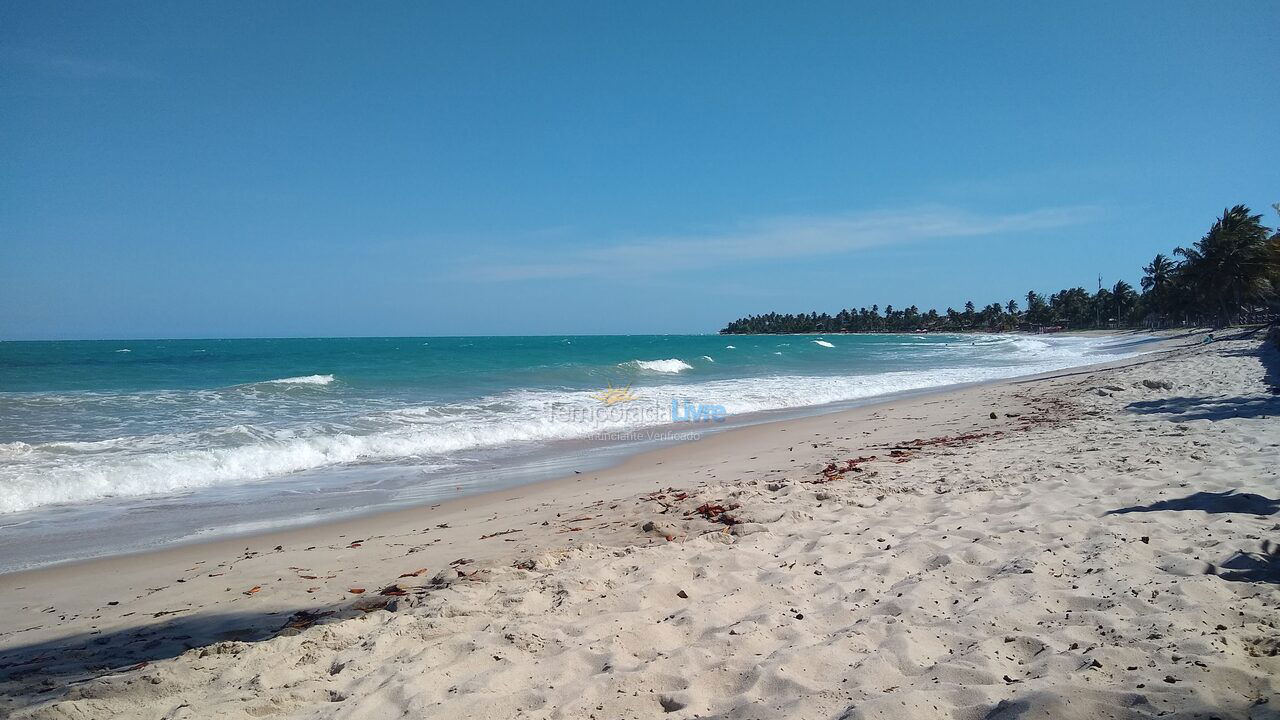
[300, 380]
[671, 365]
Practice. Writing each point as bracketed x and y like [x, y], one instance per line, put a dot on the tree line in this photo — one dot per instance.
[1231, 275]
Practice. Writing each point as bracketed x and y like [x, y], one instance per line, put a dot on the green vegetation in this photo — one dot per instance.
[1230, 275]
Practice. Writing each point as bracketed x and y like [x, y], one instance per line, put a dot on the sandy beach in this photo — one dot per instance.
[1096, 543]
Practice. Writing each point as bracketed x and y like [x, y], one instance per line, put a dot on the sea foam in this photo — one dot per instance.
[670, 365]
[300, 380]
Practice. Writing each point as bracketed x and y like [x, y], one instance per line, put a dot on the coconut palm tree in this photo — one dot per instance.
[1158, 274]
[1230, 266]
[1124, 298]
[1157, 284]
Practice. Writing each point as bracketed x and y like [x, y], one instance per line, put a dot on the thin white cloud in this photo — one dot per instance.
[779, 238]
[75, 66]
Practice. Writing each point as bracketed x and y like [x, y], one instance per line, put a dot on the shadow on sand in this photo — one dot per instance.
[1201, 407]
[1261, 566]
[1243, 566]
[41, 671]
[1223, 502]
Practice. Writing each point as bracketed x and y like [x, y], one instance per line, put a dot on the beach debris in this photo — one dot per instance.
[355, 590]
[833, 471]
[993, 415]
[709, 510]
[419, 572]
[1157, 384]
[947, 440]
[715, 512]
[498, 534]
[683, 595]
[253, 590]
[396, 590]
[666, 498]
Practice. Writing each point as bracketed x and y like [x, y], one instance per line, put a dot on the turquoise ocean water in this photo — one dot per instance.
[107, 446]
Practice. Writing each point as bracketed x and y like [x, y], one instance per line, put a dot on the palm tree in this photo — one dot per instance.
[1157, 283]
[1158, 274]
[1230, 265]
[1124, 297]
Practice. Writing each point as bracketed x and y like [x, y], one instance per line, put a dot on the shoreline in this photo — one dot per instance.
[599, 458]
[101, 623]
[628, 476]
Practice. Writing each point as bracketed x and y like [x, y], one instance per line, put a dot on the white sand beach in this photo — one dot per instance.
[1099, 543]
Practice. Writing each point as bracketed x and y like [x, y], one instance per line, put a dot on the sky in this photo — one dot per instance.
[323, 169]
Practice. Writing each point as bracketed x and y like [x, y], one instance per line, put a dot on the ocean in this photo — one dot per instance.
[116, 446]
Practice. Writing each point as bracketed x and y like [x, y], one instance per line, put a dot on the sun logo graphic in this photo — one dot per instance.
[615, 396]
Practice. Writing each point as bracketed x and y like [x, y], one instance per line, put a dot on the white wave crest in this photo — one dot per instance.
[670, 365]
[300, 380]
[708, 358]
[823, 343]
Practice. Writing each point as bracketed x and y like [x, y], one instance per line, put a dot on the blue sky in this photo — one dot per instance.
[179, 170]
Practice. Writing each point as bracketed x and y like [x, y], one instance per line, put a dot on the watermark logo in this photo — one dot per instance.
[691, 412]
[611, 395]
[618, 409]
